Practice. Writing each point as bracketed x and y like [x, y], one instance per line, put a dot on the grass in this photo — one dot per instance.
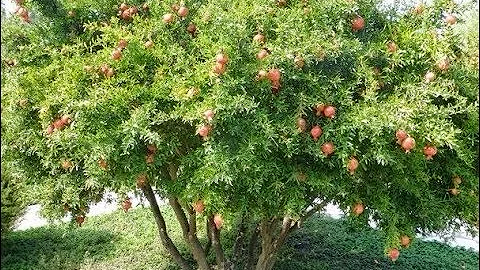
[130, 241]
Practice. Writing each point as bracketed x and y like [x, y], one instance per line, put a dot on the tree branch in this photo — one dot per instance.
[252, 248]
[209, 237]
[180, 214]
[162, 228]
[238, 245]
[308, 214]
[217, 247]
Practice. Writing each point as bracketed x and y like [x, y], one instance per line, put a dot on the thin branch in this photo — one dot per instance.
[180, 214]
[217, 246]
[308, 214]
[209, 237]
[162, 228]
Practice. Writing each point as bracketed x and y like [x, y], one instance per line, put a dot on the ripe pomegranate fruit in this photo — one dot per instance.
[182, 12]
[419, 9]
[122, 44]
[22, 12]
[358, 23]
[209, 114]
[109, 73]
[192, 29]
[393, 254]
[116, 54]
[198, 206]
[168, 18]
[405, 241]
[126, 15]
[221, 58]
[408, 144]
[123, 7]
[204, 130]
[301, 124]
[358, 209]
[316, 132]
[328, 148]
[352, 165]
[133, 10]
[148, 44]
[450, 19]
[443, 64]
[219, 68]
[80, 219]
[218, 220]
[141, 180]
[456, 180]
[329, 112]
[429, 76]
[391, 47]
[299, 62]
[58, 124]
[401, 135]
[126, 204]
[429, 151]
[65, 119]
[259, 38]
[274, 75]
[67, 164]
[262, 54]
[319, 109]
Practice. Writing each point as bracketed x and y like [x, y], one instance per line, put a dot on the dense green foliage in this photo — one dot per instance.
[13, 201]
[254, 160]
[129, 241]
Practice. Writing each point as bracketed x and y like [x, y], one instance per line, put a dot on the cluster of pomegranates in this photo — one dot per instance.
[205, 129]
[59, 124]
[127, 12]
[408, 143]
[106, 71]
[117, 52]
[151, 150]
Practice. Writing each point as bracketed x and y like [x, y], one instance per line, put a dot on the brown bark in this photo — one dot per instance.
[162, 228]
[238, 249]
[252, 248]
[217, 246]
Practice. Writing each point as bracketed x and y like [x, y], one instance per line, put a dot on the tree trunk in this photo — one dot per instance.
[162, 228]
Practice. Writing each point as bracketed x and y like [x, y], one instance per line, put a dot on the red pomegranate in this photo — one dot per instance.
[102, 163]
[450, 19]
[50, 129]
[259, 38]
[274, 75]
[116, 54]
[192, 29]
[408, 144]
[419, 9]
[123, 6]
[209, 114]
[167, 18]
[182, 12]
[401, 135]
[358, 209]
[198, 206]
[429, 151]
[443, 64]
[126, 204]
[219, 68]
[316, 132]
[358, 23]
[122, 44]
[352, 165]
[80, 219]
[262, 54]
[329, 112]
[67, 164]
[204, 130]
[393, 254]
[328, 148]
[218, 220]
[221, 58]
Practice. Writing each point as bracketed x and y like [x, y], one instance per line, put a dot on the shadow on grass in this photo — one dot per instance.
[54, 247]
[326, 243]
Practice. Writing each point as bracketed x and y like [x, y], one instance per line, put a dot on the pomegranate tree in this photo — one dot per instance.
[247, 119]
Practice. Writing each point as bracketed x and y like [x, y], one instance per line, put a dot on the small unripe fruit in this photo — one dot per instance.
[393, 254]
[329, 112]
[198, 206]
[429, 77]
[67, 164]
[126, 204]
[218, 220]
[148, 44]
[116, 54]
[301, 124]
[299, 62]
[456, 180]
[262, 74]
[182, 12]
[408, 144]
[109, 73]
[358, 24]
[454, 191]
[175, 7]
[316, 132]
[352, 165]
[259, 38]
[429, 151]
[150, 158]
[80, 219]
[450, 19]
[102, 163]
[405, 241]
[219, 68]
[401, 135]
[141, 180]
[358, 209]
[391, 47]
[193, 91]
[23, 102]
[209, 114]
[328, 148]
[151, 148]
[319, 109]
[122, 44]
[443, 64]
[221, 58]
[167, 18]
[262, 54]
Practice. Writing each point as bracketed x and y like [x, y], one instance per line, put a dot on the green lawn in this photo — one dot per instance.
[129, 241]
